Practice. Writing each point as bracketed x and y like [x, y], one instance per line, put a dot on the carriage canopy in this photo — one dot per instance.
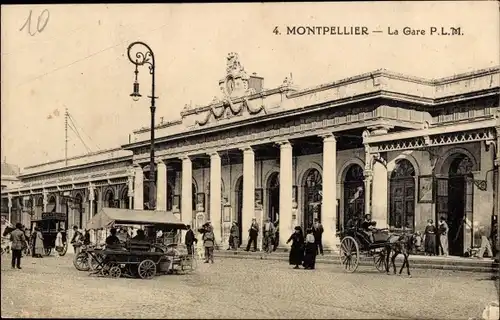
[107, 217]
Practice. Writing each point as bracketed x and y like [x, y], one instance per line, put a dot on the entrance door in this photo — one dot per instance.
[273, 201]
[312, 193]
[239, 207]
[402, 195]
[354, 190]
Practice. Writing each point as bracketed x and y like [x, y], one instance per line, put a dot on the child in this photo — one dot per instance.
[418, 241]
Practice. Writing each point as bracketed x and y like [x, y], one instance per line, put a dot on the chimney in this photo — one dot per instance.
[256, 82]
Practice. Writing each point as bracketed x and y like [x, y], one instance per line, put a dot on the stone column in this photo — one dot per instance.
[161, 186]
[130, 194]
[215, 195]
[329, 197]
[368, 179]
[138, 188]
[248, 192]
[9, 204]
[379, 194]
[187, 191]
[286, 191]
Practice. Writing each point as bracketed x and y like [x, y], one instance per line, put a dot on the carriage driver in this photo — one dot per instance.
[368, 226]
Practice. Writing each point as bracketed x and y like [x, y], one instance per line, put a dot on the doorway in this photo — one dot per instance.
[239, 207]
[273, 198]
[313, 185]
[402, 195]
[455, 202]
[354, 190]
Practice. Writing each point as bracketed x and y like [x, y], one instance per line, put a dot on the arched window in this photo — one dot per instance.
[313, 185]
[170, 197]
[402, 195]
[79, 210]
[354, 194]
[125, 199]
[94, 203]
[109, 199]
[51, 205]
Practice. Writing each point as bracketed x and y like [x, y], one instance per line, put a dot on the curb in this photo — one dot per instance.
[471, 266]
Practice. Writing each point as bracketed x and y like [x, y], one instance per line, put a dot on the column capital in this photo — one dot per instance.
[247, 149]
[160, 161]
[283, 144]
[214, 154]
[328, 137]
[185, 158]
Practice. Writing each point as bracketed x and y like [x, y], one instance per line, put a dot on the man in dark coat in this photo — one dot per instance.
[253, 233]
[190, 240]
[18, 243]
[317, 231]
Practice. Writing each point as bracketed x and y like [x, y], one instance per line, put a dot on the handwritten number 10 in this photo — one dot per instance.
[43, 19]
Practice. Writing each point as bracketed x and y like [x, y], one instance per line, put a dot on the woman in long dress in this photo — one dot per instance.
[430, 238]
[38, 247]
[297, 251]
[310, 250]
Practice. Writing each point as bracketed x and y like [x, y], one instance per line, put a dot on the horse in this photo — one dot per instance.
[399, 244]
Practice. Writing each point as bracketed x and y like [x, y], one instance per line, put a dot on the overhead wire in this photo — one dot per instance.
[87, 57]
[80, 138]
[76, 124]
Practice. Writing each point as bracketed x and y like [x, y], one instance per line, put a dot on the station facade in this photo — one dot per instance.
[402, 148]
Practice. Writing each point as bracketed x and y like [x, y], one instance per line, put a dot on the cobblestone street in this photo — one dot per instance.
[233, 288]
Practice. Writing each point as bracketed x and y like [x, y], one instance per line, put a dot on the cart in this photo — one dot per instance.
[135, 258]
[355, 241]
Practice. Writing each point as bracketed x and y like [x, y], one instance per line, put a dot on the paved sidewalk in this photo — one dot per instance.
[416, 261]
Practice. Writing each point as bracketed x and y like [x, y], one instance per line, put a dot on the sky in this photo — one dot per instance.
[78, 60]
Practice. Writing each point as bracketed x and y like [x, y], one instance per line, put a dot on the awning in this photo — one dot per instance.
[109, 216]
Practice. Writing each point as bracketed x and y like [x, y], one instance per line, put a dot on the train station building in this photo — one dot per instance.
[402, 148]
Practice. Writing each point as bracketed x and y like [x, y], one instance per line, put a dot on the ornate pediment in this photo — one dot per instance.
[235, 87]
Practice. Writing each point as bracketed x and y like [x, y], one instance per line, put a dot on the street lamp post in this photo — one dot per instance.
[146, 58]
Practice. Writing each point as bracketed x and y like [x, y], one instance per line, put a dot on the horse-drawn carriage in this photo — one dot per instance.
[379, 245]
[136, 258]
[49, 226]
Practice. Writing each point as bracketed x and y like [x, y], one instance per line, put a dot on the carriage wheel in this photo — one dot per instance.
[379, 261]
[47, 251]
[349, 254]
[147, 269]
[81, 262]
[115, 272]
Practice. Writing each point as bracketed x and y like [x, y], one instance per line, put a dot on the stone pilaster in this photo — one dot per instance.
[379, 193]
[329, 197]
[187, 191]
[161, 186]
[138, 188]
[248, 191]
[45, 195]
[286, 191]
[216, 196]
[91, 201]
